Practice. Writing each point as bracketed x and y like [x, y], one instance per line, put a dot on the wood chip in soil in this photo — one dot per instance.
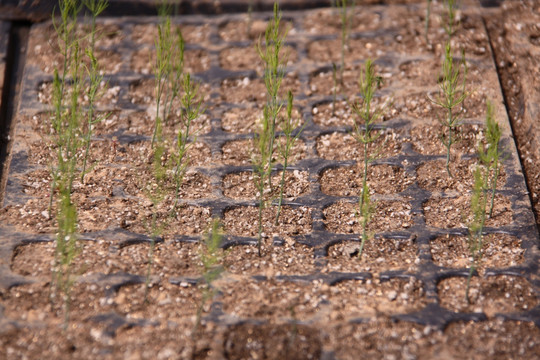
[343, 146]
[455, 212]
[379, 254]
[490, 295]
[242, 186]
[382, 179]
[342, 217]
[498, 250]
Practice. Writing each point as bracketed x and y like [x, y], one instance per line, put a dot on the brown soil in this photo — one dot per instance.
[344, 146]
[247, 120]
[492, 295]
[234, 152]
[498, 250]
[242, 186]
[454, 212]
[342, 217]
[433, 175]
[243, 221]
[245, 90]
[309, 294]
[378, 254]
[245, 58]
[382, 179]
[195, 61]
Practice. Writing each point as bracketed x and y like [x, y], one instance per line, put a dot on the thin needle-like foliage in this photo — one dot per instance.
[450, 97]
[364, 131]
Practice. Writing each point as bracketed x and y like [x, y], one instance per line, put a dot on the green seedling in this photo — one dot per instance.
[155, 229]
[96, 7]
[490, 155]
[345, 29]
[212, 258]
[450, 97]
[274, 72]
[168, 69]
[364, 132]
[66, 251]
[170, 80]
[67, 44]
[66, 122]
[451, 17]
[262, 167]
[485, 184]
[476, 226]
[366, 209]
[288, 125]
[191, 103]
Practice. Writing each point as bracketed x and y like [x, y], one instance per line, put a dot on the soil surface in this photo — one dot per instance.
[309, 287]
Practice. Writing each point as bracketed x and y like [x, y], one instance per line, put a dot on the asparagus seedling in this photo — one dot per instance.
[212, 259]
[65, 30]
[274, 72]
[262, 167]
[451, 17]
[66, 127]
[96, 7]
[155, 230]
[451, 96]
[476, 226]
[191, 103]
[365, 211]
[490, 156]
[168, 69]
[345, 27]
[288, 126]
[364, 132]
